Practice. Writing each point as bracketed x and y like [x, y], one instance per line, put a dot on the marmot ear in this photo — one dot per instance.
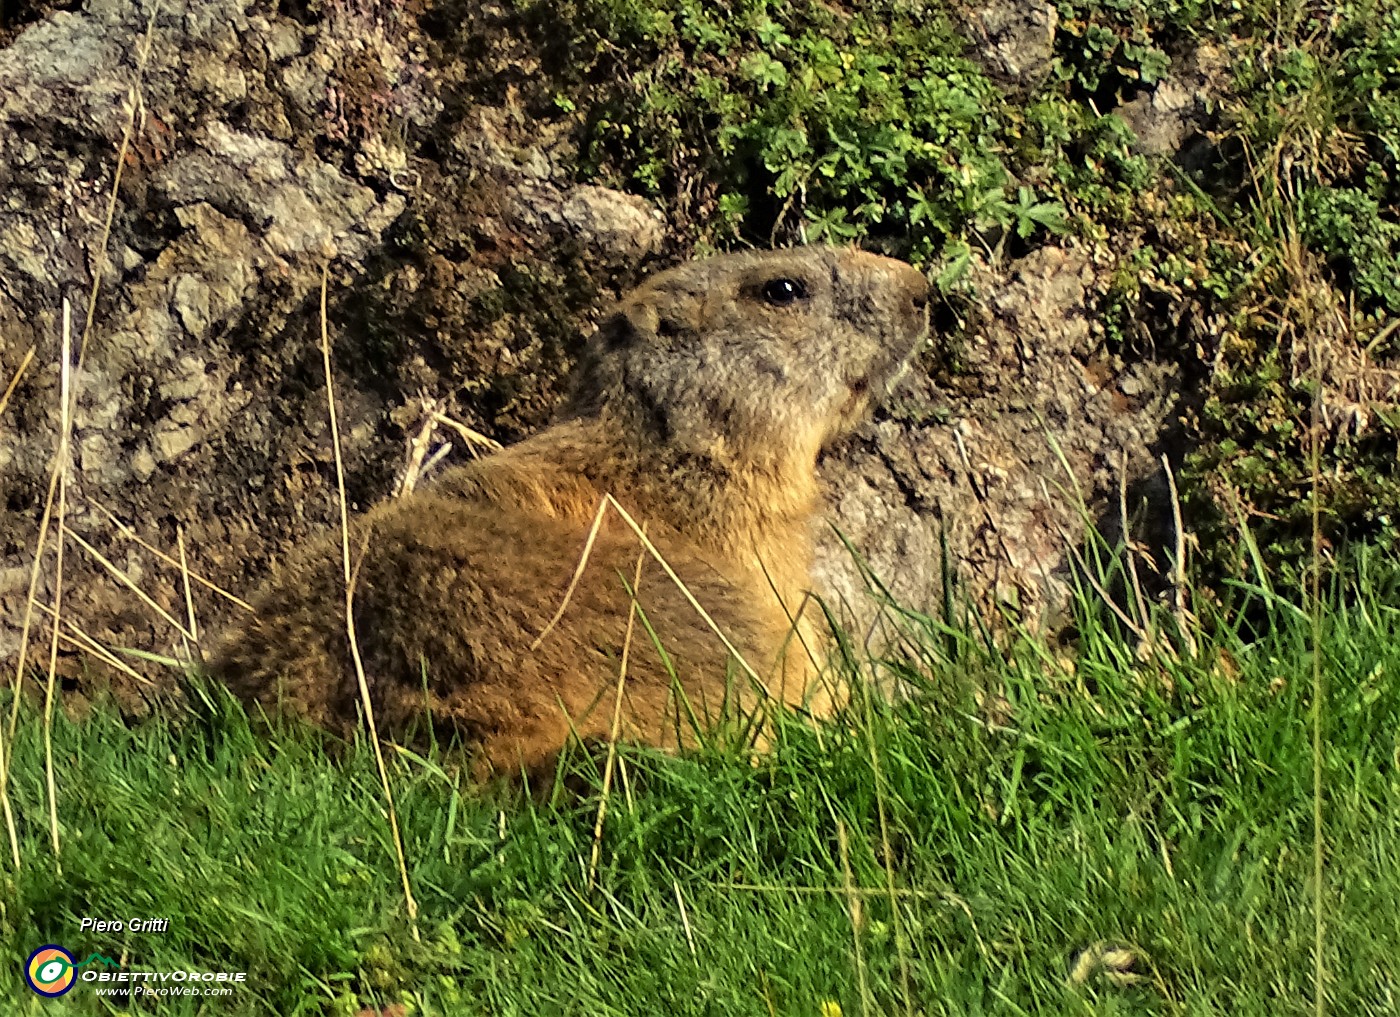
[629, 324]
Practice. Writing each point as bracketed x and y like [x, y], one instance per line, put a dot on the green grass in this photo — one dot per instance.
[1160, 806]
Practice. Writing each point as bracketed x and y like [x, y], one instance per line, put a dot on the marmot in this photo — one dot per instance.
[701, 405]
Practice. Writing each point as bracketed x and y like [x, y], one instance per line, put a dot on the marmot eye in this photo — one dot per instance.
[781, 292]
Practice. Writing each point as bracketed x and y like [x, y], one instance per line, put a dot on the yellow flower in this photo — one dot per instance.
[830, 1008]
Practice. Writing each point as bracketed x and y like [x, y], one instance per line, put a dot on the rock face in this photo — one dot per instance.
[260, 154]
[1171, 119]
[1016, 41]
[1046, 428]
[220, 227]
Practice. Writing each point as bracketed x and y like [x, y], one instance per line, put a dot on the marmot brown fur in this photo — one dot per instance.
[701, 405]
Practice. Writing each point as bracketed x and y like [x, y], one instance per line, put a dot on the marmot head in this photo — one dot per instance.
[766, 352]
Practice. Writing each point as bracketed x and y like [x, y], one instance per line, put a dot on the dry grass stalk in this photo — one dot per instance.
[130, 584]
[578, 573]
[1184, 621]
[26, 626]
[608, 501]
[81, 640]
[419, 462]
[349, 575]
[417, 452]
[65, 439]
[685, 918]
[474, 439]
[616, 726]
[131, 535]
[136, 106]
[14, 381]
[191, 644]
[1114, 961]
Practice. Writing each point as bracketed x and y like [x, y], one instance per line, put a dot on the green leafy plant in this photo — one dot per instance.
[1108, 46]
[800, 118]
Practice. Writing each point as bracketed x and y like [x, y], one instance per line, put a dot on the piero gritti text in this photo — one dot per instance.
[129, 925]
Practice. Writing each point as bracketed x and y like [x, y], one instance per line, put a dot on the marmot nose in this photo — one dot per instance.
[916, 284]
[906, 280]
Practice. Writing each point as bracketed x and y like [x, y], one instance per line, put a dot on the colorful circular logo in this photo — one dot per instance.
[50, 971]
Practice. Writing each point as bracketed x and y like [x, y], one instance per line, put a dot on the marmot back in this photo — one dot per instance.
[701, 405]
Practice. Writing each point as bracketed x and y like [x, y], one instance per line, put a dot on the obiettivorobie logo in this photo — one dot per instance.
[51, 970]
